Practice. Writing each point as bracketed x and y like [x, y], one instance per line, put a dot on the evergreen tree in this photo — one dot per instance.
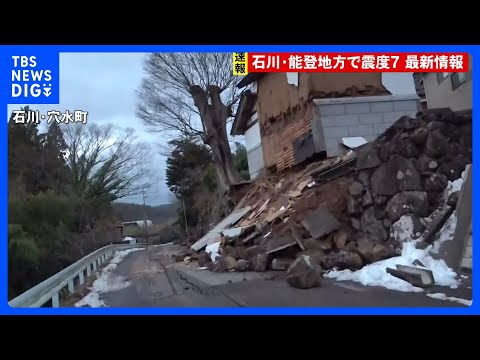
[55, 171]
[24, 155]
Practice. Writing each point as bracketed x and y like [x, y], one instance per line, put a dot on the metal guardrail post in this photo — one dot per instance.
[89, 270]
[71, 286]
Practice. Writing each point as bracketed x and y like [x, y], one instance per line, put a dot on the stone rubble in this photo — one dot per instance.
[387, 187]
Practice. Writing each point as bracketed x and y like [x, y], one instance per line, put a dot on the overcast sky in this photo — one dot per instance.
[104, 84]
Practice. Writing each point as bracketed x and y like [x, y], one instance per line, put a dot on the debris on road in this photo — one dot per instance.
[321, 222]
[416, 276]
[304, 273]
[364, 207]
[281, 264]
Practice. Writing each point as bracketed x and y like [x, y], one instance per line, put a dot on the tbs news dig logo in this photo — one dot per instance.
[27, 80]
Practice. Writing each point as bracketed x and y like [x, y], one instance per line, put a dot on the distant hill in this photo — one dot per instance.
[158, 214]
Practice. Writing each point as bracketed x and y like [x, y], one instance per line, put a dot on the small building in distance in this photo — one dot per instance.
[134, 228]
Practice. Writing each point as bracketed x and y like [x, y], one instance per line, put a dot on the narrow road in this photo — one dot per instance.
[156, 281]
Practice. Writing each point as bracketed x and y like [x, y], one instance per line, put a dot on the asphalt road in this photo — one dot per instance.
[156, 281]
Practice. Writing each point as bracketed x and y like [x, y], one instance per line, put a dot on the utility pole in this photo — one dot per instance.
[145, 216]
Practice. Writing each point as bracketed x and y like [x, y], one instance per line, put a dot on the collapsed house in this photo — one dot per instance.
[343, 212]
[289, 118]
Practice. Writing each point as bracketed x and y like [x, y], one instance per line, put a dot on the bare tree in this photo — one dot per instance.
[106, 162]
[192, 94]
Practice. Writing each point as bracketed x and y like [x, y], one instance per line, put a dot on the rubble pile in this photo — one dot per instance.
[338, 213]
[405, 172]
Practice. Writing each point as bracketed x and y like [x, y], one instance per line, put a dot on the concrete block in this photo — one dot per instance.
[416, 276]
[340, 120]
[369, 137]
[331, 143]
[333, 151]
[406, 105]
[335, 109]
[390, 118]
[381, 106]
[336, 132]
[380, 128]
[371, 118]
[360, 108]
[361, 130]
[328, 121]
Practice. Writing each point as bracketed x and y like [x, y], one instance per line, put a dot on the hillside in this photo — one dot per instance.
[158, 214]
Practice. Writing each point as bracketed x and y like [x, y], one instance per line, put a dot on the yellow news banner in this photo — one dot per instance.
[240, 63]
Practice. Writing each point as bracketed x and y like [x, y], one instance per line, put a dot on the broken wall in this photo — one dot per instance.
[366, 117]
[286, 111]
[279, 137]
[276, 96]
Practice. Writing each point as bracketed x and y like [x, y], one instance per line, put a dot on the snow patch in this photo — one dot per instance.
[212, 249]
[376, 275]
[106, 281]
[402, 229]
[441, 296]
[446, 233]
[453, 186]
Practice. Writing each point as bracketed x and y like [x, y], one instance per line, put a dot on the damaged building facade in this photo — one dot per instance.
[446, 90]
[290, 117]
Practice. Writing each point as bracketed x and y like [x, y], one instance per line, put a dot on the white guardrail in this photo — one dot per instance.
[50, 288]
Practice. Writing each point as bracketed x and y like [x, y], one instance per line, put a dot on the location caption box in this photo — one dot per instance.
[33, 78]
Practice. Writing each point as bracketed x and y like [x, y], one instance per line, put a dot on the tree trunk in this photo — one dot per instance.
[214, 118]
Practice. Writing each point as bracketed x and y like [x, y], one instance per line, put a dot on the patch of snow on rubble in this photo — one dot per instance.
[453, 186]
[106, 281]
[441, 296]
[402, 229]
[446, 233]
[376, 275]
[448, 229]
[212, 249]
